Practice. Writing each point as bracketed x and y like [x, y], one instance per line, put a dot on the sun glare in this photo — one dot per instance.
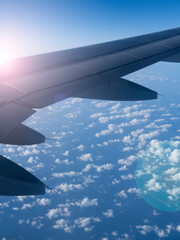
[4, 57]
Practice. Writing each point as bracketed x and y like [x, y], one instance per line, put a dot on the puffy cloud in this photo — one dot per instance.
[137, 132]
[69, 187]
[133, 190]
[112, 128]
[53, 213]
[127, 139]
[99, 168]
[174, 191]
[31, 160]
[86, 202]
[81, 147]
[127, 149]
[127, 177]
[178, 228]
[153, 185]
[155, 212]
[122, 194]
[157, 170]
[109, 213]
[63, 224]
[62, 211]
[176, 177]
[107, 166]
[43, 201]
[85, 222]
[86, 157]
[66, 174]
[171, 171]
[27, 205]
[96, 115]
[144, 229]
[127, 161]
[175, 156]
[66, 153]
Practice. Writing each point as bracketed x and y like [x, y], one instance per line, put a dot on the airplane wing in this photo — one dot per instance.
[94, 72]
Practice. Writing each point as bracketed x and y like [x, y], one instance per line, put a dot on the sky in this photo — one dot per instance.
[92, 163]
[91, 167]
[40, 26]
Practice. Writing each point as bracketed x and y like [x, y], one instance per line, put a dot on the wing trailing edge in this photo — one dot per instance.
[23, 135]
[175, 58]
[16, 181]
[119, 89]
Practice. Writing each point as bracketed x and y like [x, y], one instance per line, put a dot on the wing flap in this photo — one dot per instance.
[119, 89]
[11, 115]
[175, 58]
[16, 181]
[23, 135]
[46, 97]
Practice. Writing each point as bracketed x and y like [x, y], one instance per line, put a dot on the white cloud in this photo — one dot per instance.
[53, 213]
[176, 177]
[171, 171]
[31, 160]
[27, 205]
[127, 149]
[112, 128]
[109, 213]
[84, 222]
[107, 166]
[63, 224]
[175, 156]
[69, 187]
[174, 191]
[86, 202]
[127, 139]
[122, 194]
[127, 177]
[96, 115]
[153, 185]
[43, 201]
[81, 147]
[133, 190]
[66, 153]
[62, 211]
[86, 157]
[66, 174]
[99, 168]
[178, 228]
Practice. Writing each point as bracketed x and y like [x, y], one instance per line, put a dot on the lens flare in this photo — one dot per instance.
[4, 58]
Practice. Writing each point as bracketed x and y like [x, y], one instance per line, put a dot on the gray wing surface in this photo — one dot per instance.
[94, 72]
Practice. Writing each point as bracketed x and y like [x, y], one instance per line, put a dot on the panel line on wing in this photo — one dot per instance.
[163, 37]
[168, 53]
[163, 45]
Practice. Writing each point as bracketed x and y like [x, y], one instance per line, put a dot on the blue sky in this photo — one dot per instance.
[91, 167]
[32, 27]
[92, 163]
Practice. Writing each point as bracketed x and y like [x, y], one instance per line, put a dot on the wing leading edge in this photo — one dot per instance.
[93, 72]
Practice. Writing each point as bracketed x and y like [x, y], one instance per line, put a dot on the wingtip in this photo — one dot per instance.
[161, 95]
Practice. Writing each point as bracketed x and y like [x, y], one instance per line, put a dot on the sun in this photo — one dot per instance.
[4, 57]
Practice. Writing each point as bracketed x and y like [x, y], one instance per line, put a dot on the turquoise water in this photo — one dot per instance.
[158, 175]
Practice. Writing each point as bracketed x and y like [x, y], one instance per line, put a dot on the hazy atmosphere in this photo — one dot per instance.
[113, 167]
